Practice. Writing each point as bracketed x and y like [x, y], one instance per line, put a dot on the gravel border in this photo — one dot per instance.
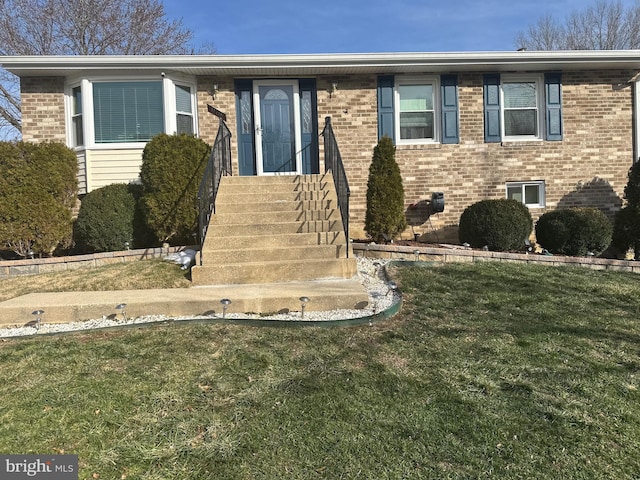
[371, 272]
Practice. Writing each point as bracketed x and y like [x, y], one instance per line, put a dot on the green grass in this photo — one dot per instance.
[138, 275]
[490, 371]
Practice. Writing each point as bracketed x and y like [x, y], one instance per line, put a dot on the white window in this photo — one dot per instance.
[126, 113]
[77, 132]
[529, 193]
[184, 109]
[521, 106]
[416, 99]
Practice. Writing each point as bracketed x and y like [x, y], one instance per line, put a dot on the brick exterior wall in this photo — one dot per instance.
[42, 104]
[587, 168]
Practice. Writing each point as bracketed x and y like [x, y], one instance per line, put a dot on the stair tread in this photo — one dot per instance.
[288, 261]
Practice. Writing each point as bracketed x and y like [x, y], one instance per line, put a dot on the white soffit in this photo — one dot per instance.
[329, 64]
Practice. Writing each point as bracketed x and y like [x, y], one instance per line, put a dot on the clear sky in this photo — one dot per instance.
[361, 26]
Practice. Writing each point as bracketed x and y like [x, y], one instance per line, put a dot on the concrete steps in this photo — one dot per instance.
[274, 229]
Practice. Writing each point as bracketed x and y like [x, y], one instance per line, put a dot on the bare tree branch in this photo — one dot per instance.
[82, 27]
[546, 34]
[605, 25]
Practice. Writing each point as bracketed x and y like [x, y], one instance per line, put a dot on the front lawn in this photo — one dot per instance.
[135, 275]
[490, 370]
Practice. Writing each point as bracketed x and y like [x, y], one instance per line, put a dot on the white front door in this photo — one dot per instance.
[277, 135]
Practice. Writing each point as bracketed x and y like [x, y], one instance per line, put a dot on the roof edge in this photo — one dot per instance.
[55, 64]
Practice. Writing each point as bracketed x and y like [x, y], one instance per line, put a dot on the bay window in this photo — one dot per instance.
[128, 112]
[184, 110]
[77, 131]
[125, 112]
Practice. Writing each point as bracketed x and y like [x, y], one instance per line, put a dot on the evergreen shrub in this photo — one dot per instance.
[626, 230]
[109, 220]
[501, 225]
[38, 187]
[172, 168]
[385, 217]
[574, 231]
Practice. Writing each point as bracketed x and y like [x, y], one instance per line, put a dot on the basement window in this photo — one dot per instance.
[529, 193]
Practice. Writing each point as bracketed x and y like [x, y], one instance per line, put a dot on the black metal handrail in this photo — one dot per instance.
[219, 164]
[333, 162]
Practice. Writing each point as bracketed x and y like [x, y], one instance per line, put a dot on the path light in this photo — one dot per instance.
[376, 268]
[225, 304]
[303, 302]
[417, 254]
[38, 314]
[126, 245]
[121, 306]
[393, 286]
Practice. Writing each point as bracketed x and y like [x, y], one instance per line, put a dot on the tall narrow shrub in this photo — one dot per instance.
[626, 228]
[385, 217]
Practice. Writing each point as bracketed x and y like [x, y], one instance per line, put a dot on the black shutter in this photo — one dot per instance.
[492, 108]
[449, 98]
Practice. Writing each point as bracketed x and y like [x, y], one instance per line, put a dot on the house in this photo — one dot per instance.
[551, 129]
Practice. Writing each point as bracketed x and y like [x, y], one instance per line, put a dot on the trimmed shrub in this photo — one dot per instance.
[575, 231]
[501, 224]
[172, 168]
[632, 188]
[109, 220]
[37, 192]
[626, 231]
[385, 194]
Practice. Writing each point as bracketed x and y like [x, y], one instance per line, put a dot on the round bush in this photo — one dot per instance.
[109, 220]
[575, 231]
[501, 225]
[171, 172]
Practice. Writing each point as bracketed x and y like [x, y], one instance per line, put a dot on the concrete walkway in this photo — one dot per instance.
[66, 307]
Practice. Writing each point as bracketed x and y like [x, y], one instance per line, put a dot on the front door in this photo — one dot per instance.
[277, 127]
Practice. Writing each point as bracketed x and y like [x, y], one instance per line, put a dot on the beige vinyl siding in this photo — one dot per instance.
[112, 166]
[82, 172]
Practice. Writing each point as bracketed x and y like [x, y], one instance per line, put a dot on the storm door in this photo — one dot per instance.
[277, 127]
